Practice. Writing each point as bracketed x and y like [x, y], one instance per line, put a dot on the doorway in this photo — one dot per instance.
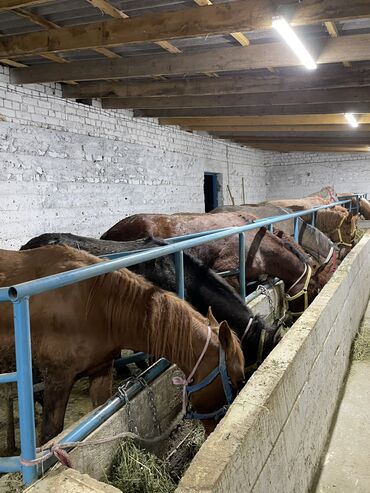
[211, 191]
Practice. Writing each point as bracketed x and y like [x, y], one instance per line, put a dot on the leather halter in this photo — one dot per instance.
[303, 292]
[261, 345]
[221, 370]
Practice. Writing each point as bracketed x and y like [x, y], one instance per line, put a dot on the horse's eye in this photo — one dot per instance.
[240, 383]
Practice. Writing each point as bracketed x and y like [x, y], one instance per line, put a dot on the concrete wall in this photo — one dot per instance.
[294, 175]
[69, 167]
[273, 436]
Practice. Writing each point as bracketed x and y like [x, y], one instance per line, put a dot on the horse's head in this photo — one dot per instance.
[217, 376]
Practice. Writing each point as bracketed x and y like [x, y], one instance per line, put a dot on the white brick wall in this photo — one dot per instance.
[301, 173]
[75, 168]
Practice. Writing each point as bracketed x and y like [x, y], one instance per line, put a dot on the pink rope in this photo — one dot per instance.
[184, 382]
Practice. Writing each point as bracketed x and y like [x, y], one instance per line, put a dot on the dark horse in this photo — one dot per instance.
[77, 330]
[265, 252]
[203, 287]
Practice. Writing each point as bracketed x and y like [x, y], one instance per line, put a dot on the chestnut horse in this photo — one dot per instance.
[265, 252]
[312, 240]
[77, 330]
[203, 288]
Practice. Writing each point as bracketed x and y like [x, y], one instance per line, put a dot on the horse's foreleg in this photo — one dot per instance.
[101, 385]
[56, 396]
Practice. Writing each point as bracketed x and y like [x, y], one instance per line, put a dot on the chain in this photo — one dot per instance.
[264, 291]
[122, 390]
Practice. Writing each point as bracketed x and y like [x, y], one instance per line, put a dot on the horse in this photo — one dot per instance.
[312, 240]
[78, 329]
[203, 288]
[265, 252]
[337, 222]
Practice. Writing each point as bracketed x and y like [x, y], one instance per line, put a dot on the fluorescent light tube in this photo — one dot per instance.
[351, 119]
[295, 44]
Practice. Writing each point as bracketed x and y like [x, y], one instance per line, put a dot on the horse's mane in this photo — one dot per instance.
[170, 322]
[292, 246]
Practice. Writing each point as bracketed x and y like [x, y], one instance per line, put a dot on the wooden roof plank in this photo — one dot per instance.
[265, 120]
[356, 48]
[215, 19]
[319, 79]
[308, 97]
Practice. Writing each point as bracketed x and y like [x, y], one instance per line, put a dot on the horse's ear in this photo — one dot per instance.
[211, 319]
[225, 336]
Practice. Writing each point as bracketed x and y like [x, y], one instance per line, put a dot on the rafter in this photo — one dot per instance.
[264, 120]
[333, 31]
[293, 109]
[41, 21]
[356, 48]
[215, 19]
[309, 147]
[232, 130]
[317, 96]
[319, 79]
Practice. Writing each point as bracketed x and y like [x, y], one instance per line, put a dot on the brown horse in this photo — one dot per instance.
[79, 329]
[313, 241]
[337, 222]
[265, 252]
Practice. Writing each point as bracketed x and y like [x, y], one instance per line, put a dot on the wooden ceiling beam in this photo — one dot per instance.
[320, 79]
[356, 48]
[306, 140]
[228, 130]
[215, 19]
[305, 109]
[265, 120]
[309, 147]
[317, 96]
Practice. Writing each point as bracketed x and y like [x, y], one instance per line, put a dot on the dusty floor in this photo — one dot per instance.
[346, 466]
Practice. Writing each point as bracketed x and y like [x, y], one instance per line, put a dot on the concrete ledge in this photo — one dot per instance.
[272, 438]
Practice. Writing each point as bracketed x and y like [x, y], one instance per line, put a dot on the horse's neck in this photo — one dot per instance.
[282, 263]
[133, 327]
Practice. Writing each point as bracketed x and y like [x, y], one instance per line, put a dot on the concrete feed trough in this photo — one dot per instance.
[272, 438]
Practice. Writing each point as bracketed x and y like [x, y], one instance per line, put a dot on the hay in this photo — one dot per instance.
[358, 235]
[135, 470]
[12, 483]
[361, 346]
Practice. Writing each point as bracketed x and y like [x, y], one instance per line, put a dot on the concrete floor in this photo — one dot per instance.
[346, 465]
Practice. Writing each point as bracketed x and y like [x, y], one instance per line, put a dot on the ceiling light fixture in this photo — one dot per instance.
[351, 120]
[286, 32]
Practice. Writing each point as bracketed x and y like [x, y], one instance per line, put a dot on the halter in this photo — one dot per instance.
[339, 232]
[261, 345]
[303, 292]
[191, 389]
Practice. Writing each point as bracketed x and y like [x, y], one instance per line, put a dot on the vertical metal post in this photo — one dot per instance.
[296, 230]
[242, 260]
[25, 391]
[271, 228]
[179, 267]
[313, 219]
[350, 206]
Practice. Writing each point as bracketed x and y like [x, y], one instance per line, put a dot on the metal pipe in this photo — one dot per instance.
[179, 268]
[101, 414]
[70, 277]
[26, 406]
[296, 230]
[313, 219]
[242, 276]
[8, 377]
[10, 464]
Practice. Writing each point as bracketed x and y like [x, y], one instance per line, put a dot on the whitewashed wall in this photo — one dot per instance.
[293, 175]
[69, 167]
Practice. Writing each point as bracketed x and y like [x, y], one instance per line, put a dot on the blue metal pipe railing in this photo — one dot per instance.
[19, 295]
